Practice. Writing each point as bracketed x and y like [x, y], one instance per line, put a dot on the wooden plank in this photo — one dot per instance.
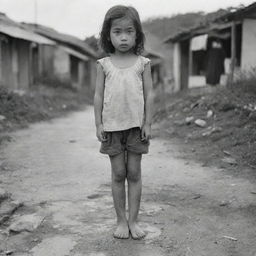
[190, 60]
[233, 55]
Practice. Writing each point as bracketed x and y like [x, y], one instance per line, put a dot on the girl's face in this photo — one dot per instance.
[123, 34]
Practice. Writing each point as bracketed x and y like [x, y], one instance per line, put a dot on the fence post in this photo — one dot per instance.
[233, 56]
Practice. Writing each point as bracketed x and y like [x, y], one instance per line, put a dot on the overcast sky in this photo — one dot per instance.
[84, 17]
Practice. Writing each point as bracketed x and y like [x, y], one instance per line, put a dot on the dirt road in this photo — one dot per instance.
[187, 209]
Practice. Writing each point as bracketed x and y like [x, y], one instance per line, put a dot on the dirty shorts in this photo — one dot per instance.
[126, 140]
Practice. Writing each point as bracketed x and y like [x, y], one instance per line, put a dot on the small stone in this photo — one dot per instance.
[8, 252]
[226, 152]
[2, 117]
[211, 131]
[189, 119]
[197, 196]
[224, 203]
[179, 122]
[209, 114]
[186, 109]
[229, 160]
[200, 122]
[26, 223]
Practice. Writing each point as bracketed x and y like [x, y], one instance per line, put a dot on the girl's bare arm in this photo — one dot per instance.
[148, 94]
[98, 102]
[148, 99]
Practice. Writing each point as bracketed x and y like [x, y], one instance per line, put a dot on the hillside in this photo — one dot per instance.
[167, 26]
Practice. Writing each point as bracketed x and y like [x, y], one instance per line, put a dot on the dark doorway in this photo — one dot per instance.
[184, 64]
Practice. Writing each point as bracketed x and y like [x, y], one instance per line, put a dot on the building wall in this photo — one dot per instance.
[81, 74]
[46, 57]
[196, 81]
[15, 63]
[176, 66]
[6, 64]
[62, 65]
[34, 63]
[248, 59]
[58, 65]
[168, 64]
[23, 58]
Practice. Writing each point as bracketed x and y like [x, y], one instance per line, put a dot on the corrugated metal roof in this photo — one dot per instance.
[66, 39]
[239, 13]
[219, 23]
[201, 30]
[20, 33]
[74, 53]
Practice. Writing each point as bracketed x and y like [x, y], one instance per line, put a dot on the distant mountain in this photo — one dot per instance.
[167, 26]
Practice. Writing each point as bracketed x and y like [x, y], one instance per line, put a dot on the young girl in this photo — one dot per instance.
[122, 106]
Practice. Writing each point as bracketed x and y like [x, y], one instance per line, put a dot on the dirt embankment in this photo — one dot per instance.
[216, 127]
[18, 109]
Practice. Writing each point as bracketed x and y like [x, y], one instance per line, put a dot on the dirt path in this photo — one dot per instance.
[187, 209]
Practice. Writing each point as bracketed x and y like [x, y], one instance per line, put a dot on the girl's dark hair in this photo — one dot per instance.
[117, 12]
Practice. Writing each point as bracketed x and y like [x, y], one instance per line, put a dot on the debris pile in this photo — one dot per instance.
[213, 123]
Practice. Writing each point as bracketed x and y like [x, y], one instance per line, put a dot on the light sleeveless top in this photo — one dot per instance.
[123, 105]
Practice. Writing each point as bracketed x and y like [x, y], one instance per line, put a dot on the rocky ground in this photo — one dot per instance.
[215, 126]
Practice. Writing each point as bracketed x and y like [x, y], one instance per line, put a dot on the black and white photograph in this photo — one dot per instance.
[127, 128]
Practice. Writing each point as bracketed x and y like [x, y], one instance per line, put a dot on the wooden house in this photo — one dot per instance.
[236, 33]
[71, 61]
[17, 56]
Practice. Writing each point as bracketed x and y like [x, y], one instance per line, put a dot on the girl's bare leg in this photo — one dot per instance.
[118, 167]
[134, 193]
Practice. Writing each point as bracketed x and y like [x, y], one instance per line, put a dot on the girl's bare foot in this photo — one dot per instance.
[136, 231]
[122, 231]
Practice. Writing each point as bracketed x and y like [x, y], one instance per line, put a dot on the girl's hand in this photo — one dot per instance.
[101, 135]
[146, 132]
